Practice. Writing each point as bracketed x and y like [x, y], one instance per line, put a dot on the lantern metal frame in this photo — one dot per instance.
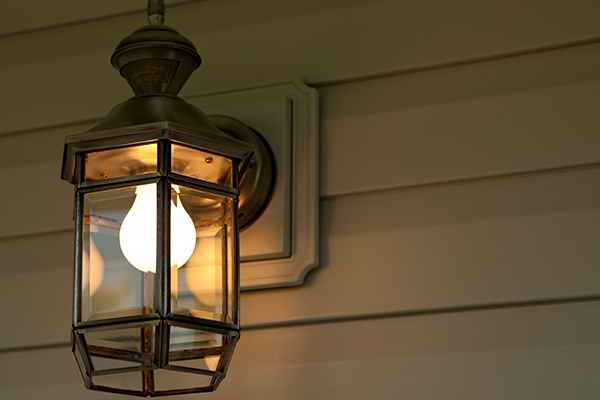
[156, 61]
[163, 317]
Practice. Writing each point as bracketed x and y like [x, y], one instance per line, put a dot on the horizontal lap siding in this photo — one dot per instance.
[68, 76]
[545, 352]
[498, 241]
[473, 186]
[508, 116]
[518, 115]
[35, 200]
[28, 15]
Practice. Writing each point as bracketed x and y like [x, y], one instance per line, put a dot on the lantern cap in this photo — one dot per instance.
[148, 118]
[156, 58]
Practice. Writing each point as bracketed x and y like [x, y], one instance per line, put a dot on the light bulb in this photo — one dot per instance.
[138, 231]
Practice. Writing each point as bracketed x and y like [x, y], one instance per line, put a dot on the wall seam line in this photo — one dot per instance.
[364, 77]
[466, 181]
[374, 316]
[459, 62]
[42, 29]
[390, 190]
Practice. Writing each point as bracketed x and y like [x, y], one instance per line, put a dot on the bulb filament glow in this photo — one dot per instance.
[138, 231]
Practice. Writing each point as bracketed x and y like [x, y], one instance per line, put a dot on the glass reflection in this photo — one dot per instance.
[111, 286]
[198, 287]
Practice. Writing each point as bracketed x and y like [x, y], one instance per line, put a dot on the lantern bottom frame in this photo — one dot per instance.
[154, 357]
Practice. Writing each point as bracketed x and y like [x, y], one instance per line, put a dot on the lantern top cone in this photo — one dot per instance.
[156, 61]
[156, 58]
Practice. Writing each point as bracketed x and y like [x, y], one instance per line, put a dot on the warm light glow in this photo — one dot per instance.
[203, 275]
[93, 268]
[202, 283]
[138, 231]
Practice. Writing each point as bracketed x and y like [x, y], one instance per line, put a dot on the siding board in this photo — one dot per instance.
[35, 201]
[497, 241]
[507, 116]
[246, 42]
[27, 15]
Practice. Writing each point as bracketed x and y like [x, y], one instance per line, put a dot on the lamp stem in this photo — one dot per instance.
[156, 12]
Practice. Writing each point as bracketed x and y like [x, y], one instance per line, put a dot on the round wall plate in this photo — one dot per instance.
[258, 182]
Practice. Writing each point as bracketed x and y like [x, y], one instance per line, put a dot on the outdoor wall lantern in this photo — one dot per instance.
[156, 293]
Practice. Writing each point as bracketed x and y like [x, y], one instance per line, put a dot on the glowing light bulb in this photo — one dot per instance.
[138, 231]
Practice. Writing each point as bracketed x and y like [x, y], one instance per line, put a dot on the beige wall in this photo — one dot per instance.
[460, 204]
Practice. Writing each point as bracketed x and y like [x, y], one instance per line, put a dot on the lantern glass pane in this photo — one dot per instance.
[196, 349]
[230, 267]
[199, 164]
[128, 381]
[111, 286]
[79, 357]
[165, 380]
[124, 161]
[120, 348]
[199, 280]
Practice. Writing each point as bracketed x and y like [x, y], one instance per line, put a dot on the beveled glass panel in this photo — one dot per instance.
[111, 285]
[120, 348]
[165, 380]
[79, 358]
[199, 277]
[196, 349]
[124, 161]
[128, 381]
[230, 265]
[201, 165]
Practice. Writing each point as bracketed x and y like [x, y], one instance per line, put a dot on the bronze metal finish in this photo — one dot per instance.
[257, 184]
